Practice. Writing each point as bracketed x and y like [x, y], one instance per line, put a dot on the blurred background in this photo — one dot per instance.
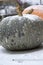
[8, 7]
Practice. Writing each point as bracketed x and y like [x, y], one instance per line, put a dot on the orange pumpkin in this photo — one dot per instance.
[34, 9]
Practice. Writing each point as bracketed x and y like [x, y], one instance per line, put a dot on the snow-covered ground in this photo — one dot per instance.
[29, 57]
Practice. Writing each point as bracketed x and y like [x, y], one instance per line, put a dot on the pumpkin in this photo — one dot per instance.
[34, 9]
[21, 32]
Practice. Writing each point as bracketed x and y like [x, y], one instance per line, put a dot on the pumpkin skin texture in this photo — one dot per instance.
[37, 10]
[21, 32]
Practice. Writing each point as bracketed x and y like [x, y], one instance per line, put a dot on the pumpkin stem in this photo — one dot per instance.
[30, 11]
[19, 8]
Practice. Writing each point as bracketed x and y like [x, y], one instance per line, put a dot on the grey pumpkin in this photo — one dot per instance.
[21, 32]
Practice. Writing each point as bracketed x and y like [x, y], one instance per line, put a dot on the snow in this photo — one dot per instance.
[31, 1]
[2, 12]
[29, 57]
[8, 10]
[32, 17]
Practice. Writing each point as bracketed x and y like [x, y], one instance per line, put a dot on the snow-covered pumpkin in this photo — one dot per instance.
[34, 9]
[21, 32]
